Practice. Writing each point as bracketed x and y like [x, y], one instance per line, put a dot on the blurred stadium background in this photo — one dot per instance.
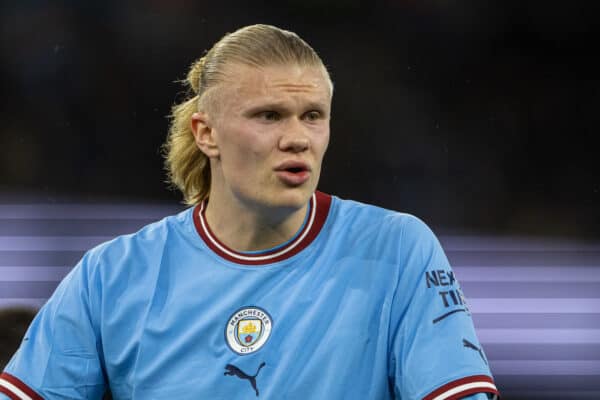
[478, 117]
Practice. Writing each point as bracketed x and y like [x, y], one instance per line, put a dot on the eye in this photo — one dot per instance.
[270, 116]
[312, 115]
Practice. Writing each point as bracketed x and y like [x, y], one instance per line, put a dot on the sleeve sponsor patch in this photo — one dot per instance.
[449, 294]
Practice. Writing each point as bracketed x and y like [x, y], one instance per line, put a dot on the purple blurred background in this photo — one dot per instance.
[477, 117]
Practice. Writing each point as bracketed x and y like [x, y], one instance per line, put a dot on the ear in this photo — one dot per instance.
[204, 134]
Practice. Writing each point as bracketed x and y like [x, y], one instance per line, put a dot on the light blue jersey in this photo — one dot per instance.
[360, 304]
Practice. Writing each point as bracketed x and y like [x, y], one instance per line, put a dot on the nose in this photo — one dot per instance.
[294, 138]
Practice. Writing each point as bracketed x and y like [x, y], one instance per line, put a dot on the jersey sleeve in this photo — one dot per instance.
[60, 354]
[435, 353]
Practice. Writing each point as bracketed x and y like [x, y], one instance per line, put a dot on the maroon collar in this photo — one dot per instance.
[317, 214]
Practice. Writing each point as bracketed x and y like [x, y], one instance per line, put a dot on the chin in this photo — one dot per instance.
[291, 198]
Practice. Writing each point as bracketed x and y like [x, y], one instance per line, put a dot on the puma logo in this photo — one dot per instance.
[470, 345]
[233, 370]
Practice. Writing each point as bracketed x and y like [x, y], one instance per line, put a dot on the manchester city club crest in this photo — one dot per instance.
[248, 329]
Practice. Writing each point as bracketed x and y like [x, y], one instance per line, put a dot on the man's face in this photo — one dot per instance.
[270, 131]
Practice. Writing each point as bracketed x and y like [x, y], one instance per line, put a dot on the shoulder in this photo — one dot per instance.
[127, 264]
[147, 243]
[364, 217]
[368, 231]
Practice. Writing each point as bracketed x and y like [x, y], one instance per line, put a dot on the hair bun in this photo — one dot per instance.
[193, 77]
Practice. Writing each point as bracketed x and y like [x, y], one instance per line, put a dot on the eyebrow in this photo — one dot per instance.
[277, 105]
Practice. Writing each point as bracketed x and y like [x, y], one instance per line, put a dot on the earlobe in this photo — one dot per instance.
[203, 134]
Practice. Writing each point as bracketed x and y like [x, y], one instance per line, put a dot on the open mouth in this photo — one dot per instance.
[294, 173]
[295, 170]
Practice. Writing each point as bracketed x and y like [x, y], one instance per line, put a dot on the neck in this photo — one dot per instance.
[252, 229]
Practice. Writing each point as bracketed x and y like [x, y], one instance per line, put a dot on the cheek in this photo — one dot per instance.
[246, 156]
[321, 143]
[234, 144]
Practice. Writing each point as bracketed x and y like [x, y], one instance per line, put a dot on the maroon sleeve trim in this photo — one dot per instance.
[464, 387]
[10, 395]
[14, 388]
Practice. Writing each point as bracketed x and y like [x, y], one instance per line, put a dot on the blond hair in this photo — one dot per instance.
[255, 45]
